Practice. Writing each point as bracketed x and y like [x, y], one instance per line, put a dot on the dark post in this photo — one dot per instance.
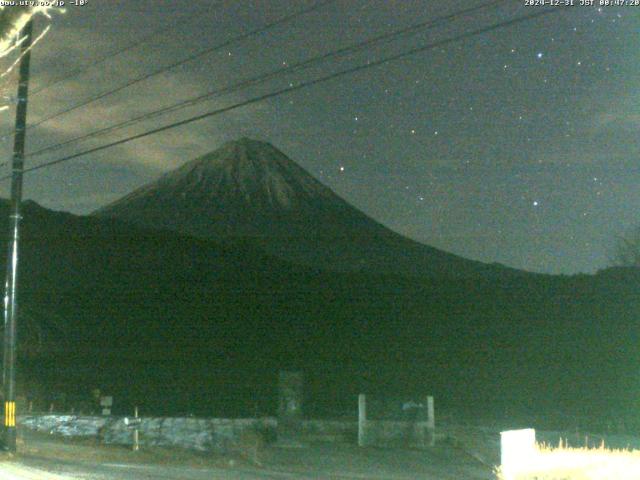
[11, 284]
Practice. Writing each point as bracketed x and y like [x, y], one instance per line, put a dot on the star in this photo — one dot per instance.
[567, 158]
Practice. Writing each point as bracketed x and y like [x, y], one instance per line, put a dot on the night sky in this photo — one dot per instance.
[518, 146]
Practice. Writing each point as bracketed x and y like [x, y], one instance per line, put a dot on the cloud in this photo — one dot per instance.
[83, 184]
[158, 152]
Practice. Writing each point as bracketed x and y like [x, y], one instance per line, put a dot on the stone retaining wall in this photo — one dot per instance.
[216, 434]
[204, 434]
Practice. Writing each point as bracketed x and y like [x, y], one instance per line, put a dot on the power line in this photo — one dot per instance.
[84, 68]
[387, 37]
[300, 86]
[187, 59]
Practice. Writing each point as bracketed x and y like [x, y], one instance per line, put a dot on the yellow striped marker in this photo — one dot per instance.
[9, 414]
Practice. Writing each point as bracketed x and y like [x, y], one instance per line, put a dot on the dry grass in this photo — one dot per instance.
[565, 463]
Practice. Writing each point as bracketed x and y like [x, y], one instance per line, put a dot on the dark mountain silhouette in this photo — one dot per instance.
[180, 324]
[252, 190]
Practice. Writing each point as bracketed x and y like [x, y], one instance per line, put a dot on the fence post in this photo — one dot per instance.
[136, 435]
[362, 419]
[431, 421]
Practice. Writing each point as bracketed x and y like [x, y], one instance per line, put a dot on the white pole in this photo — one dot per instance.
[136, 442]
[362, 419]
[431, 421]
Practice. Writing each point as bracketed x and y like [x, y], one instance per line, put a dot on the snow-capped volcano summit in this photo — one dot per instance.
[249, 188]
[244, 188]
[248, 172]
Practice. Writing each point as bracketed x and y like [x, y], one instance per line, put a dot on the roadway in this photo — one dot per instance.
[43, 457]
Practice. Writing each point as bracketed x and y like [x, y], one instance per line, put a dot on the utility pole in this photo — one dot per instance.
[11, 284]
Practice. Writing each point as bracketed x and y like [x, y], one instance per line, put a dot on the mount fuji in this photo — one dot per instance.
[250, 190]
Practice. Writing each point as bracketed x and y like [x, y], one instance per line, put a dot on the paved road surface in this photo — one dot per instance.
[30, 469]
[377, 467]
[46, 458]
[15, 471]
